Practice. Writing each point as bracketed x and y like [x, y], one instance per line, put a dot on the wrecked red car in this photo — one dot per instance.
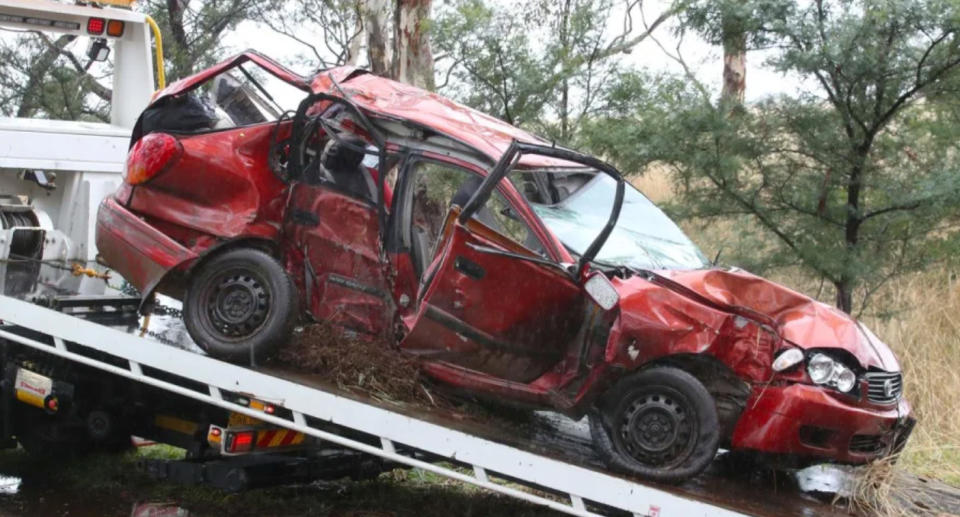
[515, 270]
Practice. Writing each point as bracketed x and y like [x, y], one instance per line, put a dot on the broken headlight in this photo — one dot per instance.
[825, 370]
[787, 359]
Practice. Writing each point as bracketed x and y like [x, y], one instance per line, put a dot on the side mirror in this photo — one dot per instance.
[601, 291]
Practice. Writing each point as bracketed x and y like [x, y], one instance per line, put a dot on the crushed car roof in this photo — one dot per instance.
[393, 99]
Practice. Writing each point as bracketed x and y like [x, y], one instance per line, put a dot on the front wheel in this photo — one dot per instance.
[660, 424]
[240, 305]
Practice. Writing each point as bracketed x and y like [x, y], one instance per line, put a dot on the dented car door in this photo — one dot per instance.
[490, 300]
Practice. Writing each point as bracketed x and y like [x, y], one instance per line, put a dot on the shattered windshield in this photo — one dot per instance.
[643, 238]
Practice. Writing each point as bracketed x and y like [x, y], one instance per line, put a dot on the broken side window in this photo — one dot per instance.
[436, 187]
[240, 96]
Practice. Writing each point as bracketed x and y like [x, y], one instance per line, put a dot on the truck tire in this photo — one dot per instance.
[660, 424]
[240, 305]
[69, 435]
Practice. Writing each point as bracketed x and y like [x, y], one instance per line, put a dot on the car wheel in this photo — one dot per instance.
[240, 305]
[660, 423]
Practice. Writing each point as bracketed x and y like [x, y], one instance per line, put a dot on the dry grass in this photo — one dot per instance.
[361, 365]
[925, 333]
[882, 491]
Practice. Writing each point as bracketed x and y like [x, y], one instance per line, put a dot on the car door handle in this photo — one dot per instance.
[469, 268]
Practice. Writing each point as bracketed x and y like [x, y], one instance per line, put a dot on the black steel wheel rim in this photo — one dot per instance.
[237, 302]
[657, 428]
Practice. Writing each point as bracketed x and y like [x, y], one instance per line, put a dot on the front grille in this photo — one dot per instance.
[866, 443]
[884, 387]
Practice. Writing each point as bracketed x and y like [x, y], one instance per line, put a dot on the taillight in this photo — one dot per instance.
[240, 441]
[150, 156]
[95, 26]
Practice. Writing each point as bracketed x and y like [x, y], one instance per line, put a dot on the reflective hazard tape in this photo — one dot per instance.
[270, 438]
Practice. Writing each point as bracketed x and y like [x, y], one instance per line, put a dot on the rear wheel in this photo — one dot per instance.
[660, 423]
[240, 305]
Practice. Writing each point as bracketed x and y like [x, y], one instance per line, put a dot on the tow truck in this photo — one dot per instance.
[80, 371]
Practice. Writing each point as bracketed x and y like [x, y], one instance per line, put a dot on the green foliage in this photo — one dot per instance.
[46, 76]
[545, 66]
[498, 70]
[716, 19]
[41, 77]
[856, 179]
[193, 30]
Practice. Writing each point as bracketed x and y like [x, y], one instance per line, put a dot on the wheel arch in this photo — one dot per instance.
[174, 282]
[729, 391]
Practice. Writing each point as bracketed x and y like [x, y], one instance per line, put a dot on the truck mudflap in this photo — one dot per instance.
[138, 251]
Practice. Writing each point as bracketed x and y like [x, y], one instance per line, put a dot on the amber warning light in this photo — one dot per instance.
[119, 3]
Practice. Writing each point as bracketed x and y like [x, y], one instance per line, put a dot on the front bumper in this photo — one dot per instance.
[139, 252]
[808, 421]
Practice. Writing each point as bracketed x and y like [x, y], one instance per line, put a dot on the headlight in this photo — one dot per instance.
[788, 359]
[820, 369]
[823, 369]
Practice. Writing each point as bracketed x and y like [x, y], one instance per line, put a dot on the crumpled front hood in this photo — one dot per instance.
[800, 320]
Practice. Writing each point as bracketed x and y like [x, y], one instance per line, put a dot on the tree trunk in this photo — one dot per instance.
[844, 295]
[353, 50]
[180, 55]
[413, 60]
[374, 14]
[734, 62]
[565, 84]
[35, 76]
[851, 234]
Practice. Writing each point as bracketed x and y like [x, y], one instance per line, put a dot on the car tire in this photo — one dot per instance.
[660, 424]
[240, 305]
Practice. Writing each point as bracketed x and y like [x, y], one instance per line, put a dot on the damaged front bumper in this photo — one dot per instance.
[807, 421]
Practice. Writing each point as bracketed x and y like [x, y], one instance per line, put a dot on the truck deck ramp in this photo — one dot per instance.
[574, 486]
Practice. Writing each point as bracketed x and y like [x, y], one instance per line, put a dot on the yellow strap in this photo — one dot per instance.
[146, 324]
[161, 75]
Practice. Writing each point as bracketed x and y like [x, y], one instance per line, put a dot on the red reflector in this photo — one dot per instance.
[115, 28]
[268, 409]
[96, 25]
[241, 442]
[214, 432]
[150, 156]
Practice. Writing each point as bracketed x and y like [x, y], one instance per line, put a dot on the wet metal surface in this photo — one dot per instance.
[728, 482]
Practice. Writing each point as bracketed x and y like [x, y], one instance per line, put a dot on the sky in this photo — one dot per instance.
[705, 60]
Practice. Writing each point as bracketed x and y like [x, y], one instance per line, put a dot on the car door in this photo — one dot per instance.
[490, 299]
[336, 236]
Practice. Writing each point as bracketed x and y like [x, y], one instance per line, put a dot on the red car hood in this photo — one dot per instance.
[799, 319]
